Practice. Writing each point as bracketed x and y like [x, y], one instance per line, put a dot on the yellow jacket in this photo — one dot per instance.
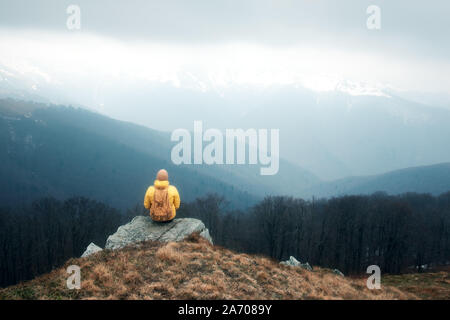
[174, 197]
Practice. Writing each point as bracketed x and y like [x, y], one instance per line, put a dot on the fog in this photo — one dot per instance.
[240, 63]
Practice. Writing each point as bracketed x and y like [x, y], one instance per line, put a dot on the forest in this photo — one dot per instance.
[37, 238]
[404, 233]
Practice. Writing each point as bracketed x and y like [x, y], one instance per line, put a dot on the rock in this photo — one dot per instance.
[295, 263]
[306, 266]
[291, 262]
[91, 248]
[143, 228]
[336, 271]
[205, 234]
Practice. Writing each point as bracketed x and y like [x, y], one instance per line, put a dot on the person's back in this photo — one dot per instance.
[162, 199]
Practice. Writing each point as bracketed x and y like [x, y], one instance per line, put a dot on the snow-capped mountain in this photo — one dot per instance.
[331, 126]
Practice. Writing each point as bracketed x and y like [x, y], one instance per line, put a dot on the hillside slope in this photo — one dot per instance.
[61, 152]
[192, 269]
[336, 135]
[43, 154]
[434, 179]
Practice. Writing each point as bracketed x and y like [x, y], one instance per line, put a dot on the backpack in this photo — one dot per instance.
[161, 209]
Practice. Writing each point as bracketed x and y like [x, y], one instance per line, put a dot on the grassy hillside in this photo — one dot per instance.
[430, 285]
[193, 269]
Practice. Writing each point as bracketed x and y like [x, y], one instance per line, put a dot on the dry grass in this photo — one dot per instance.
[430, 285]
[193, 269]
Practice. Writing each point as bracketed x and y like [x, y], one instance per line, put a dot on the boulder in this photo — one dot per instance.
[336, 271]
[91, 248]
[295, 263]
[291, 262]
[306, 266]
[143, 228]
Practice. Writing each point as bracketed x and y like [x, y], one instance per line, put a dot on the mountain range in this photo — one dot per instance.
[60, 151]
[63, 151]
[348, 129]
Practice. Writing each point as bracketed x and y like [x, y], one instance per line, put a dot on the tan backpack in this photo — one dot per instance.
[161, 209]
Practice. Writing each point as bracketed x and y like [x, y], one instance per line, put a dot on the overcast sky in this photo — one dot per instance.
[279, 39]
[406, 24]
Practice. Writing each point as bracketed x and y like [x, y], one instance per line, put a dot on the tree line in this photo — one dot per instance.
[37, 238]
[398, 233]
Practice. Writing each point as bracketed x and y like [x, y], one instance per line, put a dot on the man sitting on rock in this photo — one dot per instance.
[162, 199]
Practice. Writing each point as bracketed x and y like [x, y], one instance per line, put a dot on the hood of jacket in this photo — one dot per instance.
[161, 184]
